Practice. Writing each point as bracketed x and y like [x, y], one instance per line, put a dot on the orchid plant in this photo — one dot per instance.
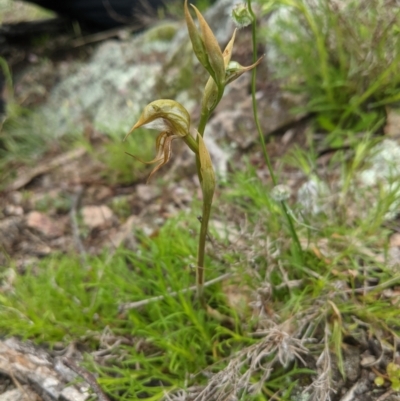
[173, 120]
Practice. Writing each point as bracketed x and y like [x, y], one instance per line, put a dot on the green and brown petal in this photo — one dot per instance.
[172, 119]
[164, 115]
[205, 46]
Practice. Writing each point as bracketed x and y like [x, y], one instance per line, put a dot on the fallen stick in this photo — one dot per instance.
[88, 377]
[138, 304]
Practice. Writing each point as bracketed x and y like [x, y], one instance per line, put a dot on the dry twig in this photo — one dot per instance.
[88, 377]
[45, 167]
[138, 304]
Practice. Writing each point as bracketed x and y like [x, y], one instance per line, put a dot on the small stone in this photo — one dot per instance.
[99, 193]
[147, 192]
[367, 360]
[34, 248]
[9, 232]
[391, 128]
[72, 394]
[97, 216]
[11, 210]
[351, 356]
[16, 197]
[43, 224]
[394, 240]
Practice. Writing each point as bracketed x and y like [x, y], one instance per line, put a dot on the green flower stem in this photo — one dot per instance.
[191, 142]
[253, 94]
[298, 249]
[205, 115]
[201, 248]
[206, 212]
[201, 251]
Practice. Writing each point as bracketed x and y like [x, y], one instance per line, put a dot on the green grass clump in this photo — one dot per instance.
[70, 292]
[58, 299]
[21, 138]
[343, 55]
[117, 167]
[24, 141]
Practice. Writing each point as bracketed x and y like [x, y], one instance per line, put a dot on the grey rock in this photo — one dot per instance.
[220, 21]
[31, 365]
[383, 173]
[24, 393]
[110, 90]
[71, 393]
[352, 368]
[384, 164]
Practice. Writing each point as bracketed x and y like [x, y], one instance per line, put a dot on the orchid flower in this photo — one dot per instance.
[173, 120]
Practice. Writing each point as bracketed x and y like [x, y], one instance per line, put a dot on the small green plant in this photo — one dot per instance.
[121, 206]
[24, 138]
[60, 203]
[117, 169]
[392, 374]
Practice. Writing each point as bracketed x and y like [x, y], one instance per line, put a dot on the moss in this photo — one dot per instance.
[161, 32]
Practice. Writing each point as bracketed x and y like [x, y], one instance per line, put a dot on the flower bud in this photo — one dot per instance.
[206, 171]
[205, 46]
[280, 193]
[234, 70]
[210, 95]
[228, 50]
[197, 41]
[241, 16]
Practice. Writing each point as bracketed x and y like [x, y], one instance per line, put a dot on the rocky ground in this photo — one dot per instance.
[99, 91]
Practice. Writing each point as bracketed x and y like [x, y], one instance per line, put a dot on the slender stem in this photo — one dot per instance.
[205, 115]
[206, 211]
[207, 196]
[191, 142]
[253, 94]
[201, 251]
[298, 249]
[322, 51]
